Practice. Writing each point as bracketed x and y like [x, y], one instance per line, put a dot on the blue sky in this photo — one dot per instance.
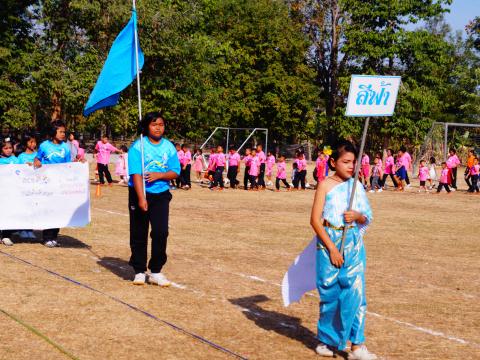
[461, 12]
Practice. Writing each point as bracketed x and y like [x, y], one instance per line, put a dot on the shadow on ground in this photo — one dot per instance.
[117, 266]
[64, 241]
[282, 324]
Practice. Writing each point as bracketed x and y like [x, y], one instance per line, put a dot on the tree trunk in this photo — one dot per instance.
[56, 107]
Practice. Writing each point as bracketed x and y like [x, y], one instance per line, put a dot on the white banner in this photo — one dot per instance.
[372, 95]
[53, 196]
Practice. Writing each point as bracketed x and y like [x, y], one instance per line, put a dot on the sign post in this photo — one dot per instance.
[369, 95]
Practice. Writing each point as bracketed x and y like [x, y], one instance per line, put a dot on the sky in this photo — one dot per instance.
[461, 12]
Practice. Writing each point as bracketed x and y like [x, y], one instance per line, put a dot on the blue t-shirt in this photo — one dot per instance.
[161, 157]
[24, 158]
[8, 160]
[50, 153]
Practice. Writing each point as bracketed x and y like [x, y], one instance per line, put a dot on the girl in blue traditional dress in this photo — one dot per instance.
[341, 277]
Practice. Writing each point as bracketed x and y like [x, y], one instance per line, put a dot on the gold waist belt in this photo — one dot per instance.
[327, 224]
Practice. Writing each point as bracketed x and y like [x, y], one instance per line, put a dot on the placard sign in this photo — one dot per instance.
[53, 196]
[372, 95]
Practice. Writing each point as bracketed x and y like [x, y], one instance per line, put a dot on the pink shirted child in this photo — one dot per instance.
[320, 166]
[103, 150]
[270, 164]
[254, 170]
[365, 173]
[281, 174]
[444, 178]
[423, 172]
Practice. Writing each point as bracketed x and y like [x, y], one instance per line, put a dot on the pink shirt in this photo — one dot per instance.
[301, 164]
[261, 157]
[444, 176]
[270, 161]
[365, 160]
[181, 156]
[453, 161]
[389, 162]
[423, 173]
[81, 154]
[254, 166]
[247, 159]
[404, 161]
[234, 159]
[475, 170]
[281, 170]
[104, 151]
[187, 158]
[220, 159]
[408, 160]
[211, 162]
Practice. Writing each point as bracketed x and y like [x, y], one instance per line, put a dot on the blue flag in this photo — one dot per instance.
[119, 70]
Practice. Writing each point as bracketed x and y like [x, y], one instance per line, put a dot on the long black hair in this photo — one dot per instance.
[342, 147]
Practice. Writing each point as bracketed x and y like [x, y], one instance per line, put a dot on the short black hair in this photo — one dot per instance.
[453, 150]
[342, 147]
[54, 126]
[27, 137]
[149, 118]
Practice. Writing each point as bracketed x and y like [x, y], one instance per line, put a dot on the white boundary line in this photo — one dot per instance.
[261, 280]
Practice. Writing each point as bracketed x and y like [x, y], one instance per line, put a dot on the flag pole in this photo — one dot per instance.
[357, 171]
[139, 98]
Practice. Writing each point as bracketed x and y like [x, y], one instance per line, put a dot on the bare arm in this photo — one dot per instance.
[316, 221]
[154, 176]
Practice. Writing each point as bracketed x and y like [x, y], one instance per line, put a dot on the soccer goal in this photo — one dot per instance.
[240, 138]
[443, 136]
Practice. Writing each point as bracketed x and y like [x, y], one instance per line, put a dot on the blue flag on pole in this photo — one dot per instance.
[119, 70]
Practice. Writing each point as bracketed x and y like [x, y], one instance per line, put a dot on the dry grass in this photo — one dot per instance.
[229, 250]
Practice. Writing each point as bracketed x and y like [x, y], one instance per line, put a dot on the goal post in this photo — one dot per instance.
[226, 133]
[443, 136]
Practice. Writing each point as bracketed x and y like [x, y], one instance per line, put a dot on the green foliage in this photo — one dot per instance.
[285, 65]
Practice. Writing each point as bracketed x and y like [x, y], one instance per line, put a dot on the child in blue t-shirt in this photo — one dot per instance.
[7, 158]
[29, 143]
[28, 156]
[150, 205]
[53, 151]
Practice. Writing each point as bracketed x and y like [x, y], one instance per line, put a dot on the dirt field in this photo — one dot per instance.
[228, 252]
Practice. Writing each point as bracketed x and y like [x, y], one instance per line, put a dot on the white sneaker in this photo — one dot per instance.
[139, 279]
[380, 190]
[372, 191]
[409, 186]
[361, 354]
[50, 243]
[7, 242]
[159, 279]
[24, 234]
[323, 350]
[31, 235]
[453, 189]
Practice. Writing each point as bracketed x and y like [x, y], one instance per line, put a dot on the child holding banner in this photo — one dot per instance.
[7, 158]
[28, 156]
[341, 277]
[53, 151]
[161, 165]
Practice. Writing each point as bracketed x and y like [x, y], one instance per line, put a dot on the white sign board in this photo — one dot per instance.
[52, 196]
[372, 95]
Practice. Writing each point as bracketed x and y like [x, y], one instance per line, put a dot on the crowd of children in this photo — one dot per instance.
[373, 174]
